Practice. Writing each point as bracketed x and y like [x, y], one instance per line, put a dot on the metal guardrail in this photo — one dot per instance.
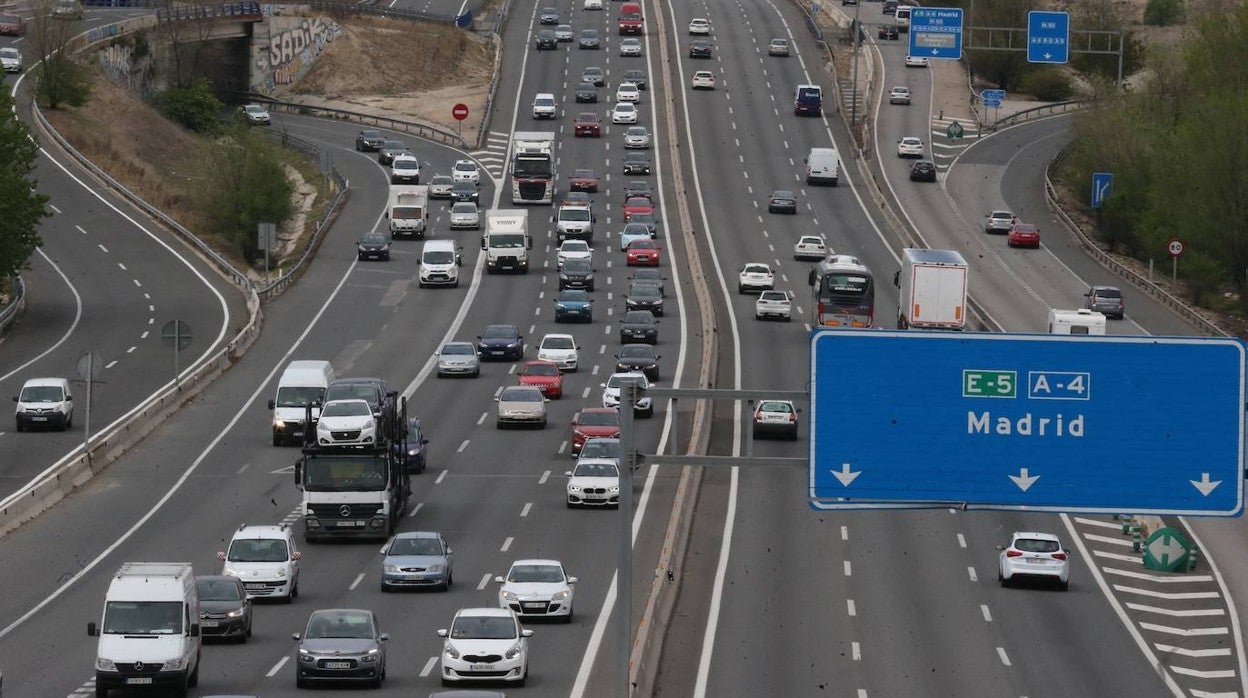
[1038, 112]
[413, 127]
[227, 10]
[10, 311]
[474, 6]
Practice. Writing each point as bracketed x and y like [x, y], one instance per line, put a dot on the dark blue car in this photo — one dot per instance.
[501, 342]
[414, 457]
[573, 305]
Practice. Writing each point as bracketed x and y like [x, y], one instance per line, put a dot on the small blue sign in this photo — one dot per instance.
[1048, 37]
[992, 102]
[1073, 423]
[936, 32]
[998, 95]
[1102, 182]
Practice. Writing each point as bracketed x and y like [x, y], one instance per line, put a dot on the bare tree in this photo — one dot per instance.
[187, 26]
[61, 79]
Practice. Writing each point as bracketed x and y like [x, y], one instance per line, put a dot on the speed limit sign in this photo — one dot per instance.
[1175, 247]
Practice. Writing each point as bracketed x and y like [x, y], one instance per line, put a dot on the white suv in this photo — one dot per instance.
[544, 106]
[1036, 556]
[266, 559]
[45, 402]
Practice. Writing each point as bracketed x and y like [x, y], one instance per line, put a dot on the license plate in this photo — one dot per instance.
[138, 680]
[496, 352]
[1038, 561]
[482, 666]
[532, 604]
[337, 665]
[38, 419]
[209, 623]
[347, 524]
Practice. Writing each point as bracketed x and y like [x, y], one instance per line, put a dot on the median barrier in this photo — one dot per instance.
[15, 306]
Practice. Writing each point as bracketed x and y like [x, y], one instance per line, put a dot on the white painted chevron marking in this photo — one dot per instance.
[1171, 649]
[1216, 674]
[1183, 632]
[1101, 524]
[1125, 542]
[1172, 595]
[1121, 558]
[1177, 613]
[1179, 578]
[1209, 694]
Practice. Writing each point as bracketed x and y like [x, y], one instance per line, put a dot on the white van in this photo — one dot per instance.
[823, 166]
[149, 632]
[440, 263]
[303, 383]
[1081, 321]
[44, 402]
[902, 17]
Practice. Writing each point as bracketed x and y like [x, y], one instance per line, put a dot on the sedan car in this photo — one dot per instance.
[645, 218]
[700, 49]
[573, 249]
[778, 47]
[632, 232]
[1032, 555]
[11, 60]
[485, 644]
[466, 171]
[543, 375]
[521, 404]
[703, 80]
[594, 76]
[388, 149]
[699, 26]
[589, 39]
[642, 296]
[923, 171]
[637, 163]
[630, 46]
[537, 589]
[464, 214]
[627, 92]
[563, 33]
[637, 137]
[67, 9]
[415, 560]
[754, 277]
[440, 187]
[775, 417]
[1023, 235]
[373, 245]
[574, 305]
[634, 205]
[653, 277]
[888, 32]
[811, 247]
[12, 25]
[586, 93]
[999, 222]
[639, 326]
[910, 147]
[899, 95]
[577, 273]
[774, 304]
[782, 201]
[561, 350]
[1106, 300]
[638, 187]
[545, 40]
[642, 253]
[584, 180]
[643, 406]
[339, 645]
[636, 76]
[548, 15]
[594, 422]
[224, 609]
[501, 342]
[594, 482]
[587, 124]
[642, 358]
[916, 61]
[458, 359]
[255, 114]
[465, 191]
[624, 113]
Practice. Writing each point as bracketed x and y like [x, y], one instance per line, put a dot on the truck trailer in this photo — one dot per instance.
[932, 285]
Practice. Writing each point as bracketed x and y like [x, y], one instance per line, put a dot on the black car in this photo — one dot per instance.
[654, 277]
[639, 326]
[373, 245]
[546, 40]
[587, 93]
[923, 171]
[700, 49]
[389, 149]
[369, 141]
[465, 191]
[643, 296]
[889, 7]
[594, 75]
[503, 342]
[782, 201]
[341, 644]
[636, 162]
[375, 391]
[414, 458]
[888, 31]
[637, 77]
[646, 219]
[577, 273]
[548, 15]
[224, 609]
[638, 357]
[638, 187]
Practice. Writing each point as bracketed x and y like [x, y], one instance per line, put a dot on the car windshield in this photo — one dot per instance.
[642, 290]
[807, 240]
[639, 317]
[589, 34]
[595, 470]
[42, 393]
[584, 174]
[465, 166]
[464, 207]
[415, 546]
[218, 590]
[1108, 293]
[440, 257]
[782, 195]
[394, 145]
[521, 395]
[637, 131]
[413, 432]
[541, 370]
[574, 297]
[142, 617]
[636, 352]
[299, 396]
[574, 214]
[341, 624]
[443, 180]
[1036, 545]
[324, 473]
[558, 343]
[575, 246]
[773, 296]
[618, 381]
[648, 274]
[499, 332]
[756, 269]
[579, 266]
[535, 573]
[458, 350]
[370, 135]
[258, 550]
[639, 201]
[636, 229]
[347, 408]
[642, 245]
[506, 241]
[405, 164]
[10, 53]
[352, 391]
[601, 448]
[599, 419]
[373, 238]
[253, 109]
[483, 628]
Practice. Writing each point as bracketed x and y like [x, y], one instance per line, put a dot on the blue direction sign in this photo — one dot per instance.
[1026, 422]
[1101, 184]
[992, 102]
[998, 95]
[1048, 37]
[936, 32]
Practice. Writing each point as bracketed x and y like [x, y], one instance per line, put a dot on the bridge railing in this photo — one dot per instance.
[239, 11]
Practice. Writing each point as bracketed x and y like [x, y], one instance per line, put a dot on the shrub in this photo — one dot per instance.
[1163, 13]
[194, 107]
[1047, 84]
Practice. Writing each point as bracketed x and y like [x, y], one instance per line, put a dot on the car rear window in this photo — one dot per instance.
[1034, 545]
[1109, 293]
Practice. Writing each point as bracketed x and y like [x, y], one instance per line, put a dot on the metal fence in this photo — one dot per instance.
[1039, 112]
[10, 311]
[428, 131]
[379, 10]
[226, 10]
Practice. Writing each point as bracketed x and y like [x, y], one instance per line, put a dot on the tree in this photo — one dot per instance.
[21, 207]
[188, 27]
[61, 80]
[247, 185]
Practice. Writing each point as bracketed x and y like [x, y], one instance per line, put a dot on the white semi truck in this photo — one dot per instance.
[533, 167]
[506, 240]
[933, 285]
[408, 210]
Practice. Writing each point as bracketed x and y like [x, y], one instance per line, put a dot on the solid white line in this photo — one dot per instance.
[277, 667]
[1189, 613]
[1004, 658]
[1184, 632]
[72, 326]
[1171, 649]
[1158, 578]
[485, 581]
[1175, 595]
[1216, 674]
[441, 477]
[1095, 522]
[428, 668]
[358, 578]
[507, 544]
[415, 509]
[1124, 542]
[983, 607]
[528, 506]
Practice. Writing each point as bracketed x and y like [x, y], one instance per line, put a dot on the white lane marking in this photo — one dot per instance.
[1175, 613]
[358, 578]
[983, 608]
[416, 509]
[131, 350]
[122, 266]
[961, 541]
[111, 364]
[79, 227]
[433, 661]
[844, 532]
[1094, 522]
[970, 572]
[102, 248]
[463, 445]
[1217, 674]
[545, 476]
[851, 607]
[1172, 595]
[441, 477]
[1116, 556]
[1184, 632]
[585, 394]
[277, 667]
[1124, 542]
[507, 544]
[485, 580]
[1207, 694]
[528, 506]
[1158, 578]
[481, 419]
[72, 326]
[144, 335]
[1171, 649]
[855, 651]
[1004, 658]
[137, 283]
[848, 570]
[54, 208]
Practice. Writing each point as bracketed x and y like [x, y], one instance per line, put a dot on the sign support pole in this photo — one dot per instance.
[624, 573]
[86, 417]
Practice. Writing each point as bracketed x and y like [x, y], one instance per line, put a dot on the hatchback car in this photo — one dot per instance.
[543, 375]
[67, 9]
[341, 645]
[916, 61]
[587, 124]
[702, 80]
[778, 47]
[1032, 555]
[11, 60]
[811, 247]
[999, 222]
[374, 244]
[440, 187]
[347, 423]
[774, 304]
[537, 589]
[638, 187]
[755, 277]
[255, 114]
[632, 232]
[573, 249]
[502, 342]
[548, 15]
[417, 560]
[653, 277]
[641, 296]
[700, 49]
[464, 214]
[412, 450]
[561, 350]
[624, 113]
[636, 163]
[1023, 235]
[574, 305]
[485, 644]
[224, 609]
[639, 357]
[577, 273]
[923, 171]
[630, 46]
[910, 147]
[888, 32]
[636, 76]
[465, 191]
[627, 92]
[466, 171]
[594, 482]
[584, 180]
[635, 205]
[12, 25]
[775, 418]
[637, 137]
[643, 406]
[782, 201]
[594, 76]
[699, 26]
[1106, 300]
[521, 404]
[458, 359]
[644, 217]
[642, 253]
[639, 326]
[586, 93]
[594, 422]
[545, 40]
[563, 32]
[597, 447]
[899, 95]
[589, 39]
[390, 148]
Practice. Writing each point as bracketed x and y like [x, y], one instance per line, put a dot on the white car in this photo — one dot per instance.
[255, 114]
[776, 417]
[11, 59]
[561, 350]
[594, 482]
[266, 559]
[624, 113]
[346, 423]
[485, 644]
[405, 169]
[521, 404]
[699, 26]
[574, 249]
[774, 304]
[703, 80]
[999, 222]
[916, 61]
[756, 276]
[910, 147]
[637, 137]
[592, 5]
[634, 231]
[630, 46]
[627, 92]
[538, 588]
[899, 95]
[811, 247]
[1034, 555]
[464, 214]
[466, 171]
[611, 392]
[563, 32]
[544, 106]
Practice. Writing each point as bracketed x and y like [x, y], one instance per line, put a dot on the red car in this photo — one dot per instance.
[544, 375]
[1024, 235]
[593, 422]
[643, 253]
[12, 25]
[584, 180]
[588, 123]
[637, 204]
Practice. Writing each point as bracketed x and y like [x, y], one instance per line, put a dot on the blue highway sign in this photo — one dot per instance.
[1101, 184]
[1072, 423]
[998, 95]
[992, 102]
[936, 32]
[1048, 37]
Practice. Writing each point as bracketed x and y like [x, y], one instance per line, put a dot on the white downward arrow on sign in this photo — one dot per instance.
[845, 475]
[1047, 56]
[1022, 479]
[1204, 484]
[934, 52]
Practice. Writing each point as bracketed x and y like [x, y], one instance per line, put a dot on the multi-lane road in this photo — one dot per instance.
[776, 599]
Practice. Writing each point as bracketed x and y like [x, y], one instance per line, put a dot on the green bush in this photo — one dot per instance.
[1047, 84]
[247, 185]
[62, 81]
[1163, 13]
[194, 107]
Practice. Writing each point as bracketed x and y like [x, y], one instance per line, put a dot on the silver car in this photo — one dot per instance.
[11, 59]
[440, 187]
[458, 359]
[521, 404]
[417, 559]
[563, 32]
[637, 137]
[341, 644]
[630, 46]
[464, 214]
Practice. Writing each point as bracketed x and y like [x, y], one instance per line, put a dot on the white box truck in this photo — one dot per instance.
[149, 631]
[533, 167]
[1081, 321]
[506, 240]
[408, 210]
[933, 290]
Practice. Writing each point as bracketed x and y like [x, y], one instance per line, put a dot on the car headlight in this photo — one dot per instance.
[177, 664]
[389, 567]
[370, 424]
[360, 248]
[514, 651]
[229, 571]
[236, 613]
[508, 595]
[102, 664]
[412, 452]
[614, 489]
[435, 568]
[514, 344]
[574, 488]
[280, 573]
[559, 596]
[278, 423]
[305, 655]
[450, 651]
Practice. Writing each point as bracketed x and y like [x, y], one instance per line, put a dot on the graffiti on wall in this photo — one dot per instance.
[290, 52]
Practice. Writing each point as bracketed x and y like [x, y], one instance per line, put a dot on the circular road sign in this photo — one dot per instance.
[460, 111]
[1174, 247]
[176, 333]
[89, 366]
